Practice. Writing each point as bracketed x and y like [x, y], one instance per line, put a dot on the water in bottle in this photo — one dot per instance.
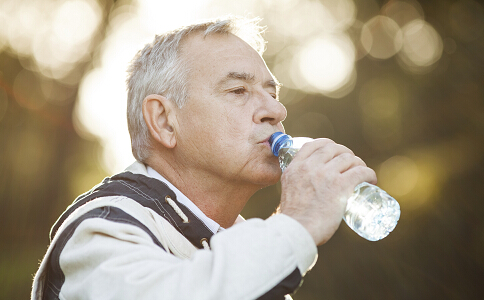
[370, 211]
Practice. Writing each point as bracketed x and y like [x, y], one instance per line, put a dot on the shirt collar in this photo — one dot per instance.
[211, 224]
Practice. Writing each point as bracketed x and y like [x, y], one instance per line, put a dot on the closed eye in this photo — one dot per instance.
[239, 91]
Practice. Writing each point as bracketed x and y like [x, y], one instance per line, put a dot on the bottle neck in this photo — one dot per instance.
[277, 140]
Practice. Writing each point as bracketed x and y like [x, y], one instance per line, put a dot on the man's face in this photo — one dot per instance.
[232, 110]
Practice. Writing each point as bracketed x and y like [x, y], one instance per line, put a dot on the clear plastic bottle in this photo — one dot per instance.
[370, 211]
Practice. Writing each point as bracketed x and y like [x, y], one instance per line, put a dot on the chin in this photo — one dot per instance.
[270, 177]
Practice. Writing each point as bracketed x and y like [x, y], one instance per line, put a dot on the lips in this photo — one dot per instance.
[266, 141]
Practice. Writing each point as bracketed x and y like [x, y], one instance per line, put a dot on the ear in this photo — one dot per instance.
[157, 112]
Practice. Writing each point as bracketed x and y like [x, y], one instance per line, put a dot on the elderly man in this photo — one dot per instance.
[202, 105]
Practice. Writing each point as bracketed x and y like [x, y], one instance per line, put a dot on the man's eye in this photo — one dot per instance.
[239, 91]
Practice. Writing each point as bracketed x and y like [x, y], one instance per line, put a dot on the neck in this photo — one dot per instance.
[219, 199]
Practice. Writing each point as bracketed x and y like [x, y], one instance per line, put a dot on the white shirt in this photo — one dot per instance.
[211, 224]
[279, 244]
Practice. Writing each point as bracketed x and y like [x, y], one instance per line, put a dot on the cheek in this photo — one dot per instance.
[204, 120]
[237, 123]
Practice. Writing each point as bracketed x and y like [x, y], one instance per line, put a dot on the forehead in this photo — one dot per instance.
[214, 56]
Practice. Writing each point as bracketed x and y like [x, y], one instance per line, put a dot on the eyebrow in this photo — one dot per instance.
[249, 77]
[241, 75]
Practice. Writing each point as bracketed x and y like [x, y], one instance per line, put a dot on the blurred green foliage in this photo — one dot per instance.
[436, 251]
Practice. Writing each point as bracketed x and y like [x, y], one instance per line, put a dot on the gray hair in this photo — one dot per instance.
[158, 69]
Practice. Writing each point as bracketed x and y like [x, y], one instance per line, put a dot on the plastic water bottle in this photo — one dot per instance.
[370, 211]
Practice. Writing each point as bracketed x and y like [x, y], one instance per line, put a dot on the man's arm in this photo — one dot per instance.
[105, 259]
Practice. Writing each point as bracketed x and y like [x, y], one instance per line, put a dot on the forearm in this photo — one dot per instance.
[109, 260]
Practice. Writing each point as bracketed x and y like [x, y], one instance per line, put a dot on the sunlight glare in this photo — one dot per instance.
[156, 16]
[343, 13]
[66, 39]
[22, 22]
[101, 109]
[75, 21]
[246, 8]
[327, 63]
[4, 20]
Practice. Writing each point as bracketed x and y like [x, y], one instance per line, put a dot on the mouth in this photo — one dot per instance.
[266, 141]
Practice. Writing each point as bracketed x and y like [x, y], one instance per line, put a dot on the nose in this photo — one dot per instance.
[270, 110]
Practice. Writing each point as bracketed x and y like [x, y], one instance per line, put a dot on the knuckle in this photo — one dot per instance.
[361, 161]
[325, 140]
[324, 144]
[363, 173]
[347, 156]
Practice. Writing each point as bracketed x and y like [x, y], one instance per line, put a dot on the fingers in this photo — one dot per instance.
[351, 168]
[334, 160]
[317, 184]
[325, 149]
[359, 174]
[344, 162]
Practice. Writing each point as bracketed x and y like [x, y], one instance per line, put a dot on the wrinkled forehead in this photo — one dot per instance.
[201, 46]
[216, 55]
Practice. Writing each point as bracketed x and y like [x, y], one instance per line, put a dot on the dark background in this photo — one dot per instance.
[435, 252]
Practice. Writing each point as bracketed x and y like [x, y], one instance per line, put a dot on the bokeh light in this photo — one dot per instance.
[323, 65]
[399, 175]
[329, 16]
[399, 82]
[403, 12]
[56, 33]
[327, 63]
[381, 37]
[323, 62]
[422, 46]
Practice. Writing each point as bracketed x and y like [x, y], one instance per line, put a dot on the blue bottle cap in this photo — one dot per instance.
[277, 140]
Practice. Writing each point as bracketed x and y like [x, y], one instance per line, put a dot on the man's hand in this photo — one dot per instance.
[317, 184]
